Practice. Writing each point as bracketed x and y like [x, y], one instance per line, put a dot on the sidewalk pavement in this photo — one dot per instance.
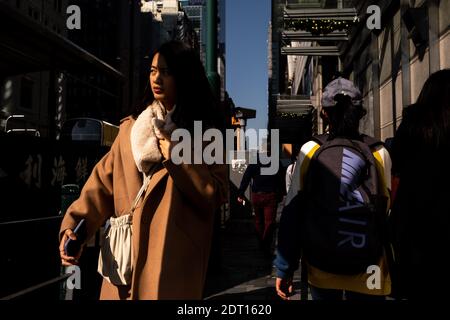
[245, 273]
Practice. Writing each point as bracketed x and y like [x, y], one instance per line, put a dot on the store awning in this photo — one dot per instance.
[299, 105]
[311, 51]
[308, 36]
[335, 14]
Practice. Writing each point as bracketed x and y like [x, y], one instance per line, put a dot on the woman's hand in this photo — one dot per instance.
[165, 146]
[67, 260]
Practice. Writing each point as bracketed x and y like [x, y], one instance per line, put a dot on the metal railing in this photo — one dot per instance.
[30, 220]
[34, 131]
[64, 294]
[38, 286]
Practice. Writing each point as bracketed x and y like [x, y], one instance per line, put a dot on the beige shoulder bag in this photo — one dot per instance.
[116, 254]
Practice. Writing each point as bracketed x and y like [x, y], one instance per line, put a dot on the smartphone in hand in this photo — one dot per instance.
[72, 247]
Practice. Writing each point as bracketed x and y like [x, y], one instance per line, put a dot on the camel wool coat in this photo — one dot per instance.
[172, 225]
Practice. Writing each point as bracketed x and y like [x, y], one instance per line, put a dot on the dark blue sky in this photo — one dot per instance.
[247, 23]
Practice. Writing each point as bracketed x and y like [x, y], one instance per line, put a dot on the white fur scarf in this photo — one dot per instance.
[152, 124]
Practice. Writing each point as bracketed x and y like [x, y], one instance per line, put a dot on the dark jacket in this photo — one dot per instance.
[420, 217]
[262, 183]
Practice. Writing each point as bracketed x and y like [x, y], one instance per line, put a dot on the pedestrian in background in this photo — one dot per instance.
[421, 209]
[172, 223]
[290, 171]
[266, 192]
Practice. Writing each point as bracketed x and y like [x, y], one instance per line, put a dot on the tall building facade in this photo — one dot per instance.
[98, 70]
[27, 93]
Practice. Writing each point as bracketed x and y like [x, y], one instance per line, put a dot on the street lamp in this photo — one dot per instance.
[15, 116]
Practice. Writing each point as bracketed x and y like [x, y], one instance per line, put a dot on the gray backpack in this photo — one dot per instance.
[345, 218]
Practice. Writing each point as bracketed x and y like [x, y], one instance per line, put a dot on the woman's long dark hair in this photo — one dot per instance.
[429, 118]
[195, 100]
[344, 118]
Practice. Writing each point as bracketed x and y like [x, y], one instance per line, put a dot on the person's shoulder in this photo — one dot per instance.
[413, 115]
[127, 118]
[126, 122]
[412, 109]
[310, 143]
[373, 143]
[381, 149]
[125, 125]
[308, 146]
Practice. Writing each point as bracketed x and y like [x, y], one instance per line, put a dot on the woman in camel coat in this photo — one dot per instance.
[173, 223]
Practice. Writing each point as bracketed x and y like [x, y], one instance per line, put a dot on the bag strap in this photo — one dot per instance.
[370, 141]
[143, 189]
[320, 138]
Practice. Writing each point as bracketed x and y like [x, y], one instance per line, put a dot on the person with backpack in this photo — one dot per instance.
[336, 209]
